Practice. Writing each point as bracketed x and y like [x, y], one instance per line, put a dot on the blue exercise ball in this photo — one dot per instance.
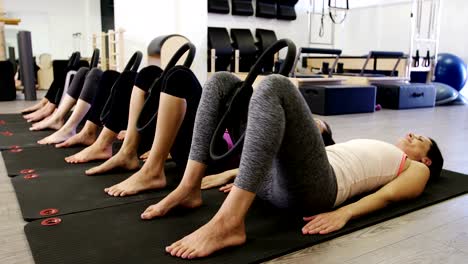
[451, 70]
[445, 94]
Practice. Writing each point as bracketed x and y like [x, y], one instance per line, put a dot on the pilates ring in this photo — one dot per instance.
[239, 101]
[94, 59]
[48, 211]
[31, 176]
[148, 114]
[74, 60]
[132, 65]
[27, 171]
[134, 62]
[51, 221]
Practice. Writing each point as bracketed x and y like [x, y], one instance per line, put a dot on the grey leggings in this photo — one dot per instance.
[284, 159]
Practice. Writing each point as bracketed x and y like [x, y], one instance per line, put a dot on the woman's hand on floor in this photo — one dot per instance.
[219, 179]
[226, 188]
[326, 222]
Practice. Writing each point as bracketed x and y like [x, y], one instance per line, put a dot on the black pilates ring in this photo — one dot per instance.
[239, 101]
[134, 62]
[74, 60]
[132, 66]
[148, 107]
[94, 59]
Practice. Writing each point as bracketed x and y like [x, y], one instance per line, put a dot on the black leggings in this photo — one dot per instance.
[87, 88]
[108, 79]
[182, 83]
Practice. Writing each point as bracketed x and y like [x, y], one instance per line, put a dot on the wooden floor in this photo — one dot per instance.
[436, 234]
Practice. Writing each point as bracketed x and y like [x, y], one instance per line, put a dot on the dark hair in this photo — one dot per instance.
[327, 135]
[437, 161]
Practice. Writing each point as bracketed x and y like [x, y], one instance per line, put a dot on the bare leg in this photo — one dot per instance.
[69, 129]
[225, 229]
[57, 120]
[99, 150]
[35, 107]
[86, 136]
[127, 157]
[42, 113]
[151, 176]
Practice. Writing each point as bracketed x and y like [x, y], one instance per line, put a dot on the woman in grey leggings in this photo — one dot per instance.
[284, 161]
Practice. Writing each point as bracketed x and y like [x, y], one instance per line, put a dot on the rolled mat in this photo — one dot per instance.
[118, 235]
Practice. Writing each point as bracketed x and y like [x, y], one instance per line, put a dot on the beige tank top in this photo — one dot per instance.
[364, 165]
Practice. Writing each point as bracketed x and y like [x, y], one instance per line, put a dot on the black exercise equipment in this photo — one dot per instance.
[332, 11]
[94, 59]
[118, 235]
[285, 9]
[27, 65]
[266, 38]
[218, 6]
[242, 7]
[7, 81]
[132, 66]
[243, 41]
[219, 40]
[334, 52]
[405, 95]
[382, 55]
[266, 8]
[445, 94]
[234, 114]
[78, 192]
[60, 70]
[147, 119]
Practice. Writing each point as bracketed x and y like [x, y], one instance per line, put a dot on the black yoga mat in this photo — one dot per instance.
[41, 159]
[117, 235]
[71, 190]
[11, 118]
[24, 139]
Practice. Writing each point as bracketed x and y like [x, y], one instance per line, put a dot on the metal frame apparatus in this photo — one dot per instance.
[383, 54]
[428, 39]
[335, 52]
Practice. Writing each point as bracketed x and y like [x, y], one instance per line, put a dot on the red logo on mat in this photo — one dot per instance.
[2, 122]
[31, 176]
[6, 133]
[51, 221]
[16, 150]
[49, 211]
[27, 171]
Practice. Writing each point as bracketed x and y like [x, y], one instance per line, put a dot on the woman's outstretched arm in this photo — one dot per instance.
[408, 185]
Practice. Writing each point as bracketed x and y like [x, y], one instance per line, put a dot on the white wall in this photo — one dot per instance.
[144, 20]
[52, 24]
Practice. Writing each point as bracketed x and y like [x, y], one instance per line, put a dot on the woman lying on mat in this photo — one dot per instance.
[284, 161]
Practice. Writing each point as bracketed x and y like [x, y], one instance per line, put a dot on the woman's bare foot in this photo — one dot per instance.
[34, 107]
[119, 160]
[84, 137]
[142, 180]
[181, 196]
[93, 152]
[57, 137]
[121, 135]
[53, 123]
[218, 233]
[40, 114]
